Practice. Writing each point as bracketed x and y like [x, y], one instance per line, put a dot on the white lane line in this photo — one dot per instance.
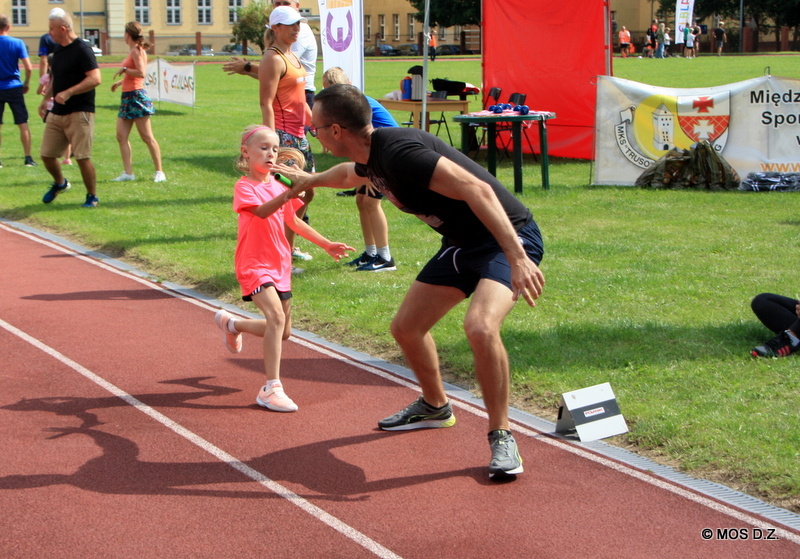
[314, 511]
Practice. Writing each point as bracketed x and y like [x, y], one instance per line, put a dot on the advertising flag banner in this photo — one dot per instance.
[151, 80]
[754, 125]
[341, 33]
[169, 82]
[684, 11]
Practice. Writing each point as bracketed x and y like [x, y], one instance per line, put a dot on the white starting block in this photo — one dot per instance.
[593, 412]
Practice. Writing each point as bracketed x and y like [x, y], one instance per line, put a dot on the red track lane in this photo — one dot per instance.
[182, 463]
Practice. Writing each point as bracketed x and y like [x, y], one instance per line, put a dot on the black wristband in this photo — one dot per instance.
[248, 66]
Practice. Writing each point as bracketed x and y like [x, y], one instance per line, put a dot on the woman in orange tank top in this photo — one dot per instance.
[136, 106]
[282, 94]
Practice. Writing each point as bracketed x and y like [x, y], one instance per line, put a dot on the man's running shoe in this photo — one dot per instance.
[54, 191]
[779, 346]
[29, 162]
[232, 341]
[419, 415]
[361, 260]
[91, 201]
[378, 264]
[275, 399]
[505, 455]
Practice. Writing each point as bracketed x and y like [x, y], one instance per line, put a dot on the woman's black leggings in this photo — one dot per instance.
[776, 312]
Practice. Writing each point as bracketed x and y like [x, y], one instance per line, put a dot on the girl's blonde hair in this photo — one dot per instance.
[334, 75]
[291, 156]
[240, 163]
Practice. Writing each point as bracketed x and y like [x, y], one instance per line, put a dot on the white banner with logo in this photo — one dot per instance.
[684, 11]
[754, 125]
[169, 82]
[341, 32]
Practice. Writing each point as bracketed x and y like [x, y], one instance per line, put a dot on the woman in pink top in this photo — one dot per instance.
[263, 258]
[136, 106]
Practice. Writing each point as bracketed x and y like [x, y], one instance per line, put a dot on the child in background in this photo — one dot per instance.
[263, 258]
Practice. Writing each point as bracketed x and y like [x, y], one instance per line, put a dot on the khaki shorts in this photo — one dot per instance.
[62, 130]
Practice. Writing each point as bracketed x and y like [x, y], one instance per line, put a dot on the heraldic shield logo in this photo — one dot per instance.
[647, 131]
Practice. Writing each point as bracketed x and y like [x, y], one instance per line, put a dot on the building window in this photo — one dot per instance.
[382, 26]
[412, 27]
[368, 27]
[141, 11]
[204, 12]
[19, 12]
[173, 12]
[233, 10]
[396, 25]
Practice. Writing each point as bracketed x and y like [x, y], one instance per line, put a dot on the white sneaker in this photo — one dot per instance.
[124, 177]
[232, 341]
[298, 254]
[275, 399]
[159, 177]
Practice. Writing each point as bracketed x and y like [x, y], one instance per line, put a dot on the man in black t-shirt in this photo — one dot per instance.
[491, 247]
[719, 37]
[71, 120]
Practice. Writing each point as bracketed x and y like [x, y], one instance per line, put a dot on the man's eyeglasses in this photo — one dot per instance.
[314, 129]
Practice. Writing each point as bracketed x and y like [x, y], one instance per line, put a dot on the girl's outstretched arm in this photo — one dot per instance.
[336, 250]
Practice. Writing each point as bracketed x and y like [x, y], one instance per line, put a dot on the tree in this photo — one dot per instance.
[447, 13]
[252, 20]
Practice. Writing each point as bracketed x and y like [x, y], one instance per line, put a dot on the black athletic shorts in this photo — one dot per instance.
[464, 267]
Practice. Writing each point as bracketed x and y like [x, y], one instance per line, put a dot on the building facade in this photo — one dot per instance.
[175, 24]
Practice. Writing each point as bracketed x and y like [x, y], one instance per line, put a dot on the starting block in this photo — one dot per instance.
[592, 412]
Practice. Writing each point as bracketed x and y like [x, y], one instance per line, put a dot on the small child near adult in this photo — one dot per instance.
[263, 259]
[780, 314]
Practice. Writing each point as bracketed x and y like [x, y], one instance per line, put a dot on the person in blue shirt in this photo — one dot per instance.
[376, 256]
[12, 89]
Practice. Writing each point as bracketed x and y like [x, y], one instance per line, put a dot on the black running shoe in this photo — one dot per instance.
[361, 260]
[506, 461]
[351, 192]
[779, 346]
[378, 264]
[55, 190]
[419, 415]
[29, 162]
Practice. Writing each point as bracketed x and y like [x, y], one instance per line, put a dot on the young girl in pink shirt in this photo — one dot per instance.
[263, 258]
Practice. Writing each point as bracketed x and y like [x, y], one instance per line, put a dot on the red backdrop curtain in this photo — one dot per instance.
[553, 52]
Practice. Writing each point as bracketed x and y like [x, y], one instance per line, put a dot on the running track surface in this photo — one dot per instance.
[127, 430]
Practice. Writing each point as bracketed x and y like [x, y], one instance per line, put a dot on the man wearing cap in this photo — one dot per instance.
[305, 48]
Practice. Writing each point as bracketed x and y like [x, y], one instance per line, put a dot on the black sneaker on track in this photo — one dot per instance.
[55, 190]
[419, 415]
[378, 264]
[506, 461]
[779, 346]
[360, 261]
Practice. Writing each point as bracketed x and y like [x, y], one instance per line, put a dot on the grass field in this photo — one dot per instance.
[648, 290]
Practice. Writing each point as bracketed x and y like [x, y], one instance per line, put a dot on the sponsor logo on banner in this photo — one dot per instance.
[647, 131]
